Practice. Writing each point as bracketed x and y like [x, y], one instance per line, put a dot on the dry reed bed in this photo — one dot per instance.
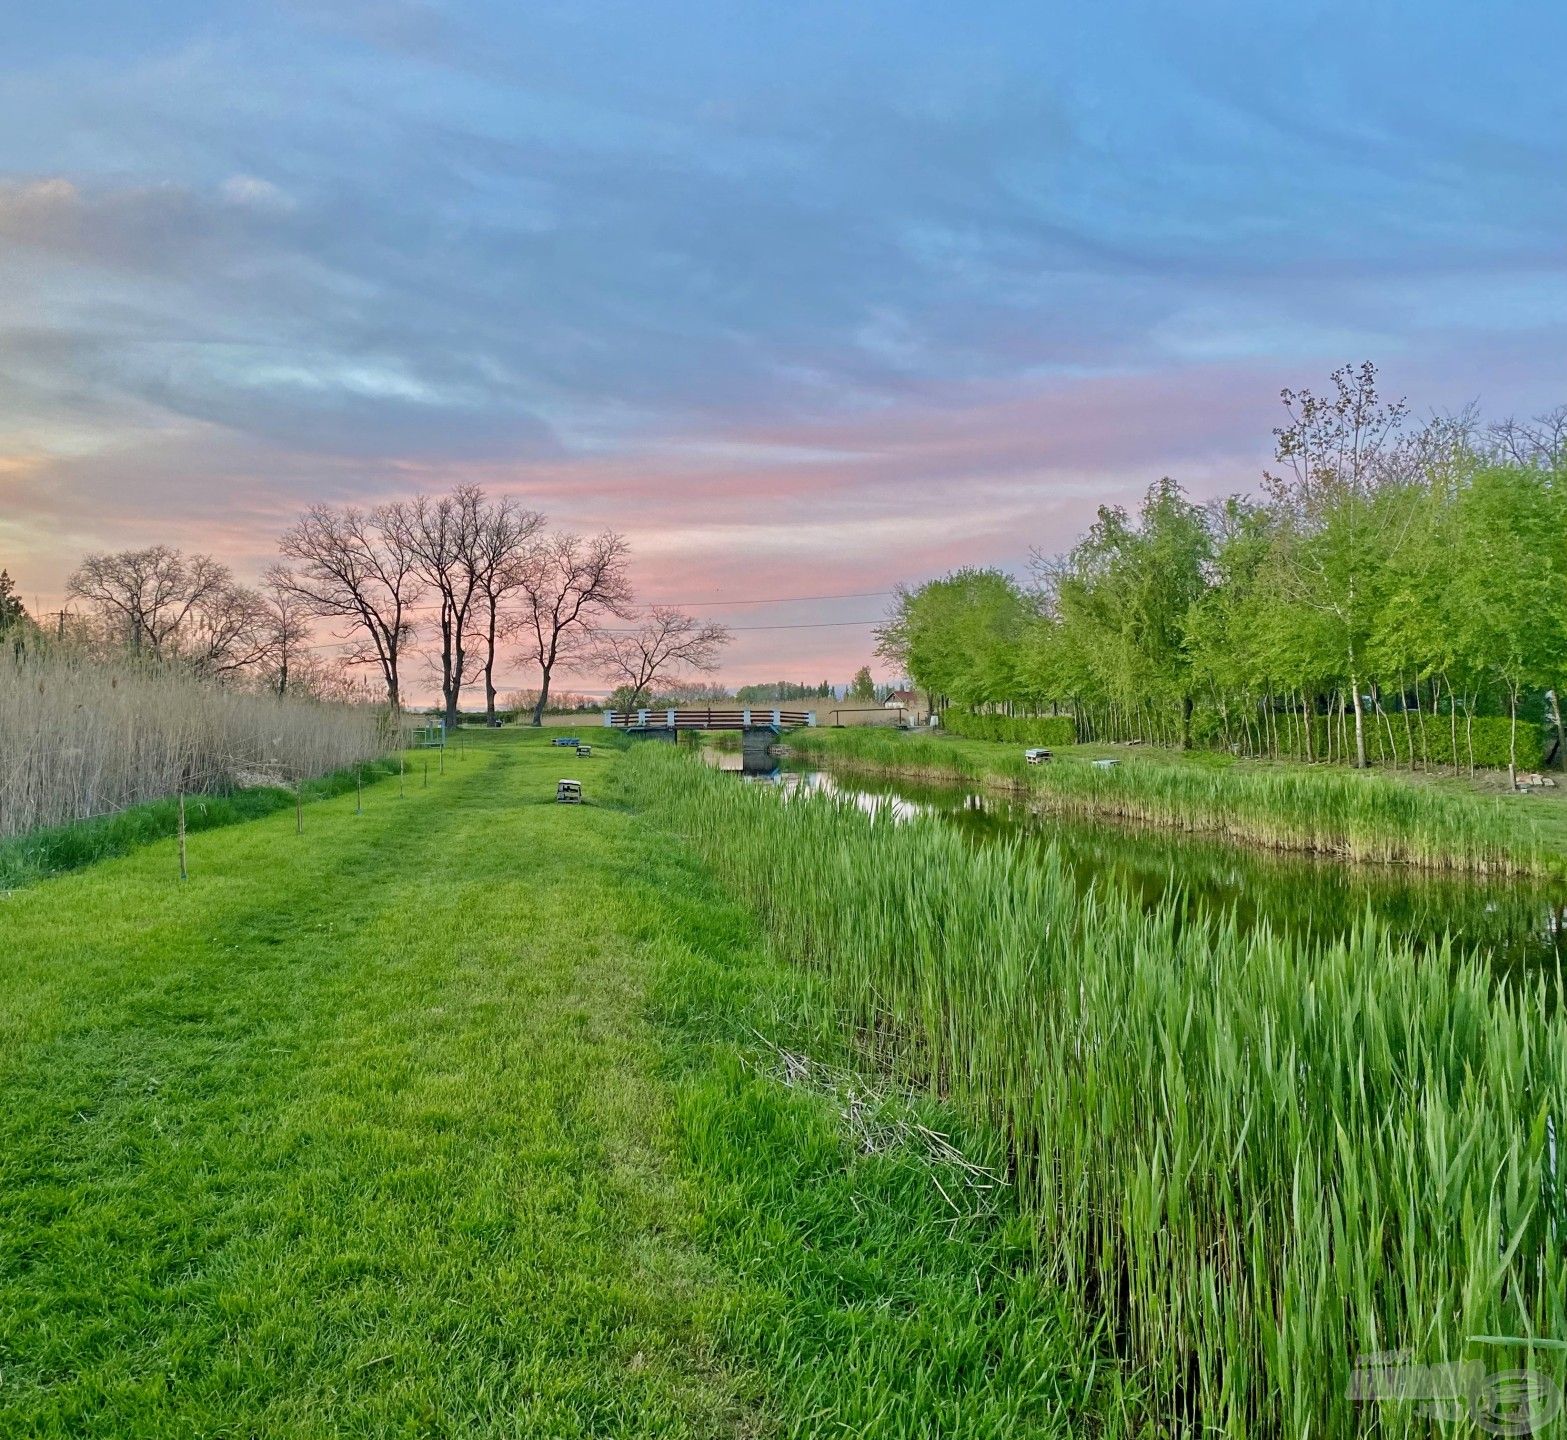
[1359, 817]
[1254, 1159]
[81, 736]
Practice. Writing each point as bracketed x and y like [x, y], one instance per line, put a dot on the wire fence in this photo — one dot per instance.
[197, 804]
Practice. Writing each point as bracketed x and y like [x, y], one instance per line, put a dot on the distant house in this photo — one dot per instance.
[909, 702]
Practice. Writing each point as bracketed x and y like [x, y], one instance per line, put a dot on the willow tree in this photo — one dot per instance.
[1342, 503]
[957, 637]
[1506, 584]
[1130, 590]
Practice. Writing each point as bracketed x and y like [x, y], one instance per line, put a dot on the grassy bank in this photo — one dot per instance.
[68, 847]
[1254, 1159]
[457, 1118]
[1357, 816]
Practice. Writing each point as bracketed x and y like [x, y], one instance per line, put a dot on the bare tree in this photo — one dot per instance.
[227, 632]
[570, 584]
[148, 594]
[355, 566]
[666, 643]
[1541, 441]
[288, 659]
[502, 553]
[443, 537]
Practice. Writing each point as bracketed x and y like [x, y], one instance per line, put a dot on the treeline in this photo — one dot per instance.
[466, 582]
[1397, 594]
[861, 688]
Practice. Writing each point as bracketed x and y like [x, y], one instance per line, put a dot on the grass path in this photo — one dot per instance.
[375, 1131]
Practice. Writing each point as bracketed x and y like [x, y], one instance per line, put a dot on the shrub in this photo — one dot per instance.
[1047, 730]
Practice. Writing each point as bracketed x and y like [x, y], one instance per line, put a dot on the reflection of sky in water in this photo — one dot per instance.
[766, 771]
[1521, 924]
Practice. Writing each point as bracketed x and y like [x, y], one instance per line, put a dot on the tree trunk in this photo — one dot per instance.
[1561, 735]
[1512, 738]
[489, 671]
[544, 690]
[1360, 718]
[1409, 735]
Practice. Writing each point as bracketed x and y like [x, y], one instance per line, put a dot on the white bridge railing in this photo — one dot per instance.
[708, 718]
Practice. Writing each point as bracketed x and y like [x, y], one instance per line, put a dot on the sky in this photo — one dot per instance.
[805, 299]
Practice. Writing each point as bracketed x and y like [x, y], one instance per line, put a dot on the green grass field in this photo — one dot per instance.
[461, 1117]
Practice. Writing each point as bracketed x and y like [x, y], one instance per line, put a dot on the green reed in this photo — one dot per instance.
[1361, 817]
[1252, 1157]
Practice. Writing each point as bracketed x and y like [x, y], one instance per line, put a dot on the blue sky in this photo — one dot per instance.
[804, 298]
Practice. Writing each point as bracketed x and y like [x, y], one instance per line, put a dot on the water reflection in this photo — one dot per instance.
[1521, 924]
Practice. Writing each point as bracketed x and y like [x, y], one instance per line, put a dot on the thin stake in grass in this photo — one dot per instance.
[299, 806]
[184, 872]
[359, 790]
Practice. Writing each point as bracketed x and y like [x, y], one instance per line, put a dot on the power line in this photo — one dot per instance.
[774, 600]
[817, 625]
[433, 607]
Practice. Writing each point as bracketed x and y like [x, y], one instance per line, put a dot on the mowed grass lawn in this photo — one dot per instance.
[438, 1120]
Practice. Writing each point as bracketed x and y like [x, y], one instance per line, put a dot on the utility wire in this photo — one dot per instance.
[774, 600]
[816, 625]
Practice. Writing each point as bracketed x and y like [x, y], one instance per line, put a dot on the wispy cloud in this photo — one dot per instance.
[794, 296]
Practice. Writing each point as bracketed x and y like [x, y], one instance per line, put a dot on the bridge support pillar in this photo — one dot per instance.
[666, 733]
[758, 739]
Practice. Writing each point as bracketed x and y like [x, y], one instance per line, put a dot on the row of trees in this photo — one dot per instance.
[464, 579]
[1391, 580]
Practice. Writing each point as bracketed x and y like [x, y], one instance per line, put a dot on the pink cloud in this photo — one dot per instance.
[973, 474]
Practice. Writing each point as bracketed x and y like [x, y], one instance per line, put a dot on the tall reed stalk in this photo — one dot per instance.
[1255, 1158]
[83, 736]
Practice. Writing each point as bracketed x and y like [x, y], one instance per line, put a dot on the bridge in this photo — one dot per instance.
[758, 727]
[709, 718]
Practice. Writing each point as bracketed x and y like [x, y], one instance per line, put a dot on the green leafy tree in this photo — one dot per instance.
[1506, 584]
[959, 636]
[1343, 505]
[12, 612]
[864, 687]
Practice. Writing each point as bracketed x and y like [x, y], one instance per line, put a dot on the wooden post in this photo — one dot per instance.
[426, 772]
[443, 754]
[299, 807]
[184, 873]
[401, 788]
[359, 790]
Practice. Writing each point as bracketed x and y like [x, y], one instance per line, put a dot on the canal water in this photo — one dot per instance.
[1521, 924]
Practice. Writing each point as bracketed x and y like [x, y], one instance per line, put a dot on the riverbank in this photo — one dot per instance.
[1364, 817]
[1176, 1101]
[475, 1114]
